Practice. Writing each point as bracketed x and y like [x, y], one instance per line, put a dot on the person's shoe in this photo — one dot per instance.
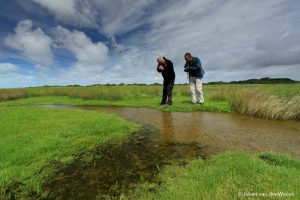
[162, 103]
[169, 103]
[201, 103]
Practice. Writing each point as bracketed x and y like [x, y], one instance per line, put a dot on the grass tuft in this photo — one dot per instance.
[231, 175]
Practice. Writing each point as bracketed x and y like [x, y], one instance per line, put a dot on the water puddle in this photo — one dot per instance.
[178, 136]
[119, 168]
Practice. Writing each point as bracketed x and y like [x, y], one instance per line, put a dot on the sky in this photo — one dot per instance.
[54, 42]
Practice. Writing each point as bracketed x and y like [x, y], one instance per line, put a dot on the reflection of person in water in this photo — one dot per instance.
[168, 126]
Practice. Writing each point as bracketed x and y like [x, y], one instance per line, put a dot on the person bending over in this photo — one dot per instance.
[165, 67]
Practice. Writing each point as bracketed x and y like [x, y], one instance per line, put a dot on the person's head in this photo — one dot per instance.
[161, 61]
[188, 57]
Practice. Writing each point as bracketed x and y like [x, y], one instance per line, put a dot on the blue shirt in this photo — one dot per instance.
[194, 68]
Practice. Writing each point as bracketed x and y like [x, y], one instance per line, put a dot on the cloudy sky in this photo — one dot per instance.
[55, 42]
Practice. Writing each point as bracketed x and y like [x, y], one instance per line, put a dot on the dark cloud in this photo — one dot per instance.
[277, 49]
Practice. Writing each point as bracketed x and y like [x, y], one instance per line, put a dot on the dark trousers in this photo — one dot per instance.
[167, 91]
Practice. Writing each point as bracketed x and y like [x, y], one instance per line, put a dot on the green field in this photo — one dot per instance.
[280, 101]
[227, 176]
[37, 142]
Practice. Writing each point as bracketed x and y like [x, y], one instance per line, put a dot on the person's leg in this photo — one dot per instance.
[164, 96]
[169, 91]
[199, 89]
[192, 87]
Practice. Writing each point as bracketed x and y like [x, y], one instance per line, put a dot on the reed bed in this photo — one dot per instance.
[267, 103]
[258, 104]
[12, 95]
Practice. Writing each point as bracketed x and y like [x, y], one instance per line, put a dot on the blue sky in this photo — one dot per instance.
[54, 42]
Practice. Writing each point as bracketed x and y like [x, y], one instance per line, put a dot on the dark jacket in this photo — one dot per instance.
[168, 73]
[194, 68]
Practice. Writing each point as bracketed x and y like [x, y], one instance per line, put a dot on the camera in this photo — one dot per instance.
[186, 68]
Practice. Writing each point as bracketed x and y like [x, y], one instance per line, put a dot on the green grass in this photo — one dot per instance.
[35, 142]
[226, 176]
[180, 104]
[280, 101]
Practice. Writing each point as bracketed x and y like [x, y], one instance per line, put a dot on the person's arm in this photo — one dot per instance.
[186, 67]
[199, 66]
[196, 65]
[157, 68]
[202, 72]
[170, 66]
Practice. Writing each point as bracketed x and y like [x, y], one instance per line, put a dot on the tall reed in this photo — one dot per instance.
[258, 104]
[11, 95]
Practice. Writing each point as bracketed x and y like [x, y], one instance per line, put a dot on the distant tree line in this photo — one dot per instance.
[265, 80]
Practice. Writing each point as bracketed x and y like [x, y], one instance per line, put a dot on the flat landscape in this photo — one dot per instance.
[149, 99]
[49, 131]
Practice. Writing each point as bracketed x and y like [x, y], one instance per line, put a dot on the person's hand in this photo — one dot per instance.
[186, 67]
[161, 68]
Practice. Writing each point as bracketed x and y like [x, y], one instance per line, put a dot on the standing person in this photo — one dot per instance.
[195, 72]
[165, 67]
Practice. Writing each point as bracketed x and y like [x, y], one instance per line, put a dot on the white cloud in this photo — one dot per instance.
[90, 56]
[230, 38]
[234, 39]
[33, 43]
[111, 17]
[10, 76]
[7, 68]
[60, 8]
[81, 46]
[75, 12]
[118, 17]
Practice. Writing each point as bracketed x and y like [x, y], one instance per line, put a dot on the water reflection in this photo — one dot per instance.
[219, 132]
[168, 126]
[180, 136]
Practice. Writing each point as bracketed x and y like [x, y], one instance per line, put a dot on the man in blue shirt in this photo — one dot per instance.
[195, 72]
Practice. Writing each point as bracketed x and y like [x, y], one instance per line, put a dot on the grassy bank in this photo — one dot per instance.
[35, 142]
[227, 176]
[181, 104]
[281, 101]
